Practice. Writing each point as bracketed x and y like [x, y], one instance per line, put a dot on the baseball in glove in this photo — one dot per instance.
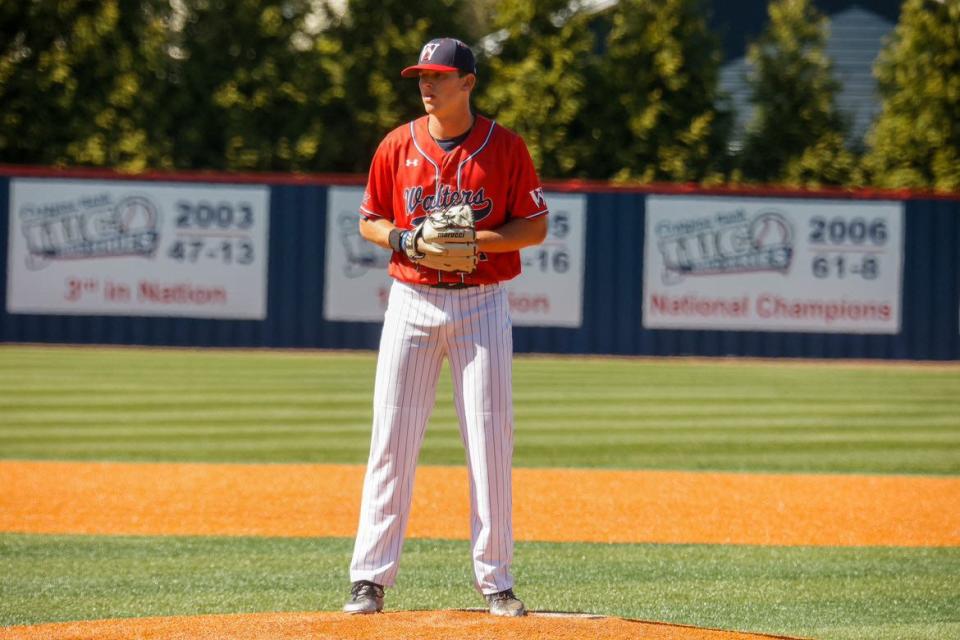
[445, 240]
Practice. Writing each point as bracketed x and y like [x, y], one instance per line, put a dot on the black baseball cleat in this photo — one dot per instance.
[365, 597]
[505, 603]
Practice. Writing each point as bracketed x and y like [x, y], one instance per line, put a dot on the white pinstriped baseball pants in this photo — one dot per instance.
[422, 326]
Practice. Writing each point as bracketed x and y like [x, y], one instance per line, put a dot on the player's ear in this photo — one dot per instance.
[469, 82]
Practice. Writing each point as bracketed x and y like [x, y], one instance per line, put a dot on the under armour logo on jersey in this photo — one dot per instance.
[537, 195]
[413, 162]
[428, 50]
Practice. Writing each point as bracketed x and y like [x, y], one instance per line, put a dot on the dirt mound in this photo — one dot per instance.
[410, 625]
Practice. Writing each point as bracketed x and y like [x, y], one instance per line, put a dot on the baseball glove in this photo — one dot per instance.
[445, 240]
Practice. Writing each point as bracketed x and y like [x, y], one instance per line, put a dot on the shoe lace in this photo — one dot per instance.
[504, 595]
[365, 588]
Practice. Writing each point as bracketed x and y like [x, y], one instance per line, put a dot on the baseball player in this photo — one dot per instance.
[455, 196]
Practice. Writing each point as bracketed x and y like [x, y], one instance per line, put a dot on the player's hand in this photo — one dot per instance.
[445, 240]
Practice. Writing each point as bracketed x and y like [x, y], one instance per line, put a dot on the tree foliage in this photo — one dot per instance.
[209, 84]
[536, 83]
[916, 139]
[309, 85]
[657, 96]
[797, 134]
[79, 81]
[629, 93]
[241, 93]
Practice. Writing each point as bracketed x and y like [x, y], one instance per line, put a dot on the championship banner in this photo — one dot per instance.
[82, 247]
[763, 264]
[548, 293]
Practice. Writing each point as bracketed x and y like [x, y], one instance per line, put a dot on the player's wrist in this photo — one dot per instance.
[396, 240]
[408, 245]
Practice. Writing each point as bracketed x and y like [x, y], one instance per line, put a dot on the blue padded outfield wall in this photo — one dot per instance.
[274, 261]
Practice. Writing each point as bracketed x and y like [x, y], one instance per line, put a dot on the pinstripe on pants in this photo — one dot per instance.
[423, 326]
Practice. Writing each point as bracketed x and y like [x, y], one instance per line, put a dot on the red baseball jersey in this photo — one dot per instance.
[411, 176]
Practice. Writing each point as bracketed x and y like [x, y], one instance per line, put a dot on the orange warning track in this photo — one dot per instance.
[425, 625]
[549, 504]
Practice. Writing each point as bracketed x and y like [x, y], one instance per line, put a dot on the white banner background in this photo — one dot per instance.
[763, 264]
[549, 291]
[137, 249]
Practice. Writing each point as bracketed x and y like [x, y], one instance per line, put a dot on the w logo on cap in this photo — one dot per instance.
[428, 51]
[443, 55]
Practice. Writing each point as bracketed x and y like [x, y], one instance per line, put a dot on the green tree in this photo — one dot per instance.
[364, 49]
[653, 112]
[536, 83]
[79, 80]
[916, 139]
[797, 134]
[246, 88]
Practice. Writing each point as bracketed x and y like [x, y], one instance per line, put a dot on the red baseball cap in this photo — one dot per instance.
[443, 54]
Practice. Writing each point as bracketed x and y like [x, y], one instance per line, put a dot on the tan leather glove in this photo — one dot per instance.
[445, 240]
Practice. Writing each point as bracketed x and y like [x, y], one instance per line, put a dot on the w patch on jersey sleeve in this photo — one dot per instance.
[526, 200]
[538, 200]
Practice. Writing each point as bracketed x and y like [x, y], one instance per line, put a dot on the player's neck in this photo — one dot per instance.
[450, 126]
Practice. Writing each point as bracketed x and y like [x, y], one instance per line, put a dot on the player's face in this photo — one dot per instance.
[445, 92]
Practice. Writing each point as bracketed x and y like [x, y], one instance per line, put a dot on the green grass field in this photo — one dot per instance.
[315, 407]
[140, 405]
[758, 588]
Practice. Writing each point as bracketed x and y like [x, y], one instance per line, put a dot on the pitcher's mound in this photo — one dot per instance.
[425, 625]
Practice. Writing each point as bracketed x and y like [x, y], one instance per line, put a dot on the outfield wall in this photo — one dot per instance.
[275, 261]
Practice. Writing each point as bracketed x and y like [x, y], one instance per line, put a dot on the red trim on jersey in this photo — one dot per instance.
[491, 170]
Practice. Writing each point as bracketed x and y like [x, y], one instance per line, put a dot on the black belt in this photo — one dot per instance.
[453, 285]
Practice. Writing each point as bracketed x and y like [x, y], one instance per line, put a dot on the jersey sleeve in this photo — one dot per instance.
[526, 193]
[378, 196]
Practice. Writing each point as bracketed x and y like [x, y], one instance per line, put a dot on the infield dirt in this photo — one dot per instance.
[410, 625]
[611, 506]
